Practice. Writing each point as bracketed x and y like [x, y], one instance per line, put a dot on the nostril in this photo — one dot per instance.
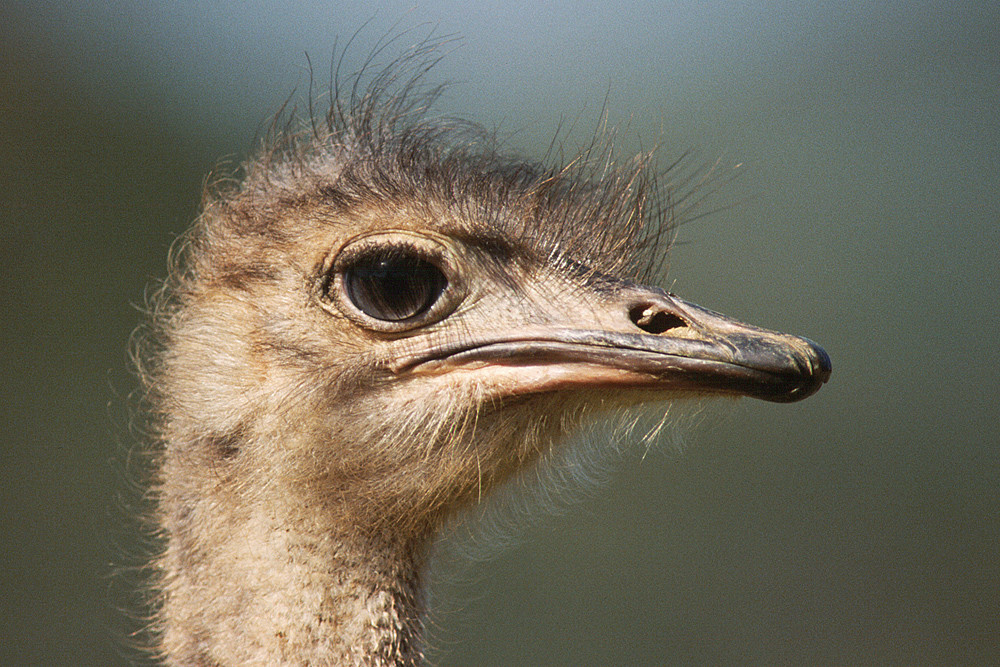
[653, 320]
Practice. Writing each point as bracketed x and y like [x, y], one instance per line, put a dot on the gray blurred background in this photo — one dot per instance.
[858, 527]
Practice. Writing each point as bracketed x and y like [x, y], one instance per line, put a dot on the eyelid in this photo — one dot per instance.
[370, 246]
[332, 294]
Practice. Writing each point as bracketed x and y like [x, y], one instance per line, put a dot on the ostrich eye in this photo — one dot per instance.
[393, 284]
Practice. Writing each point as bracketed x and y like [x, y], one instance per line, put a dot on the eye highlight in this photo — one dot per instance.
[393, 283]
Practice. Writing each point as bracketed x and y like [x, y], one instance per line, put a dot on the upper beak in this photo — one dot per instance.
[644, 338]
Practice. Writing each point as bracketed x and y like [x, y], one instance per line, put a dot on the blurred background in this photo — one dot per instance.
[858, 527]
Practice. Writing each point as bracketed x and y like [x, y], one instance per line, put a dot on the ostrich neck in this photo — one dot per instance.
[274, 579]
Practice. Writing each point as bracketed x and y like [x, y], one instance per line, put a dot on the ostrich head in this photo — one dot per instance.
[381, 321]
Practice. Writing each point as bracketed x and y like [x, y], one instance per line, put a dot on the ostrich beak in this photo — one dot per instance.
[642, 338]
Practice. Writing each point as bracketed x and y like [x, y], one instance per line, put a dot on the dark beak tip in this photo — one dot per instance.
[824, 366]
[814, 375]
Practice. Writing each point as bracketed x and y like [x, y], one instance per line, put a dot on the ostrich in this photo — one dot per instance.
[381, 321]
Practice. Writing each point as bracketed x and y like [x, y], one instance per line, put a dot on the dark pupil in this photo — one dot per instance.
[393, 285]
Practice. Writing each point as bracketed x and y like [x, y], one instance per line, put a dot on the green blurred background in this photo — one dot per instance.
[859, 527]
